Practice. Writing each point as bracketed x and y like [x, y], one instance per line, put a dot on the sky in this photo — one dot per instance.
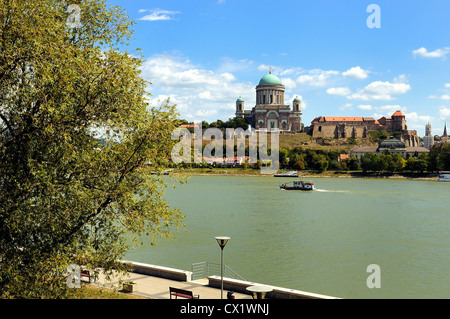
[342, 58]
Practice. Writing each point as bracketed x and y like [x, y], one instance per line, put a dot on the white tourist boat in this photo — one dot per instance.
[287, 174]
[444, 176]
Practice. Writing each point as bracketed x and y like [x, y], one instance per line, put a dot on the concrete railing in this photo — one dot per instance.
[277, 292]
[160, 271]
[229, 284]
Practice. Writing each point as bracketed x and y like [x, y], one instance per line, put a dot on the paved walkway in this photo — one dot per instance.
[158, 288]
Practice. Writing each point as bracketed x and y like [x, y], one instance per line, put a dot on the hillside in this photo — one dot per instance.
[305, 141]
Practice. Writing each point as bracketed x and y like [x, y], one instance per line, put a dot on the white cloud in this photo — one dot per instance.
[288, 83]
[365, 107]
[379, 91]
[447, 85]
[205, 95]
[340, 91]
[356, 72]
[424, 53]
[316, 77]
[199, 94]
[205, 113]
[297, 76]
[402, 78]
[390, 109]
[347, 106]
[442, 97]
[444, 113]
[158, 15]
[290, 71]
[416, 118]
[417, 121]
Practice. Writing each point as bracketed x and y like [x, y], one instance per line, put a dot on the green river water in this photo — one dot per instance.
[320, 241]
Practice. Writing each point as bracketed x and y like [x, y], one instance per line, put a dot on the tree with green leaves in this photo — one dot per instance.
[443, 159]
[78, 145]
[320, 162]
[398, 162]
[353, 164]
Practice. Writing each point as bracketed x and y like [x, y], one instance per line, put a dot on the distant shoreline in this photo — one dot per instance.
[256, 173]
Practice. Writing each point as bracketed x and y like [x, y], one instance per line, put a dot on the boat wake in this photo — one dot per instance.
[330, 191]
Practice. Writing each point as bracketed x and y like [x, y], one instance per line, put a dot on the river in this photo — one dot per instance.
[320, 241]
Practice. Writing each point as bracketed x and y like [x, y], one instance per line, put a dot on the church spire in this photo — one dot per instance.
[445, 130]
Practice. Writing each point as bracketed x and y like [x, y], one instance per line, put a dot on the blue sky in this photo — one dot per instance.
[204, 54]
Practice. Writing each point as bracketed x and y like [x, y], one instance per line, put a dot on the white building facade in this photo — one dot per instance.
[428, 139]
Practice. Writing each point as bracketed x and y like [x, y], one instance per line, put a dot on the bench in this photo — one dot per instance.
[177, 292]
[86, 273]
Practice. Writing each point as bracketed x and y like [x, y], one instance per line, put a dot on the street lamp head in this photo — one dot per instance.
[222, 241]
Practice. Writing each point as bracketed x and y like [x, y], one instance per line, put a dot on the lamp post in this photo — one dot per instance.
[222, 241]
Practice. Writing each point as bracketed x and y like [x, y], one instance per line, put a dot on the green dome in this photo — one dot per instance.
[270, 79]
[240, 99]
[297, 99]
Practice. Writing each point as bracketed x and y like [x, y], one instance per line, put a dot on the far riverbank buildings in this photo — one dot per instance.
[391, 146]
[270, 111]
[344, 127]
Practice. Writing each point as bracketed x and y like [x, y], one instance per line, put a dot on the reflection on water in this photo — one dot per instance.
[320, 241]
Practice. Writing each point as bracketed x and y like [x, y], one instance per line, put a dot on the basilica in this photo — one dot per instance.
[270, 111]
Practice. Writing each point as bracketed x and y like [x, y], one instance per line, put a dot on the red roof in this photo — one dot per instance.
[398, 113]
[342, 119]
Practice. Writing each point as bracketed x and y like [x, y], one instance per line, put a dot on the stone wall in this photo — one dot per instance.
[339, 130]
[240, 286]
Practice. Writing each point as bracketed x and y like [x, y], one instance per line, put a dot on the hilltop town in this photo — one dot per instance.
[329, 142]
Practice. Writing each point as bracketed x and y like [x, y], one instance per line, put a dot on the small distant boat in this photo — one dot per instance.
[166, 172]
[300, 186]
[444, 176]
[287, 174]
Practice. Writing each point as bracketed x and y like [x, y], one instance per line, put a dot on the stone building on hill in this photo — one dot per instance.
[344, 127]
[271, 111]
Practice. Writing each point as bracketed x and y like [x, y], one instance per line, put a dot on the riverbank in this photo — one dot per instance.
[307, 174]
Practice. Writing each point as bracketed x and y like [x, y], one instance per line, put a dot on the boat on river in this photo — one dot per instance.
[444, 176]
[287, 174]
[299, 186]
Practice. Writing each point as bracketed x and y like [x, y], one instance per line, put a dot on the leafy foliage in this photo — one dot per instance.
[76, 138]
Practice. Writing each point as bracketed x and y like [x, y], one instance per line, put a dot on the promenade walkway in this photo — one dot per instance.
[158, 288]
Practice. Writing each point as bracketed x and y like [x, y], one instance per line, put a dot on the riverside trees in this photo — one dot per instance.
[76, 135]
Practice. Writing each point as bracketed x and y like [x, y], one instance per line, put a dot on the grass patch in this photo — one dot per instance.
[95, 292]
